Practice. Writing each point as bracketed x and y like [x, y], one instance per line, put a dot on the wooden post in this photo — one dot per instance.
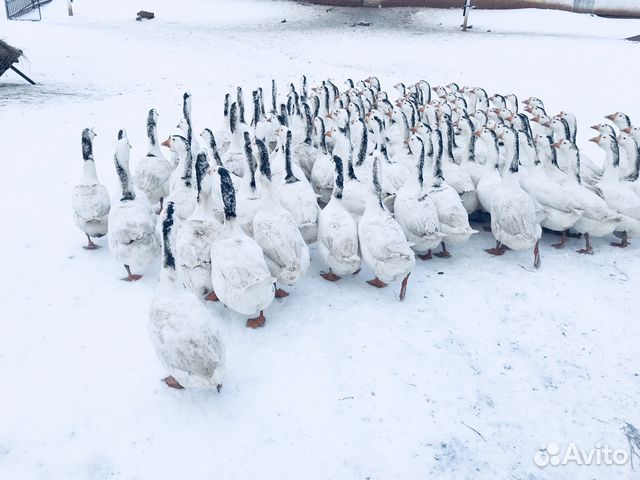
[70, 7]
[465, 12]
[22, 75]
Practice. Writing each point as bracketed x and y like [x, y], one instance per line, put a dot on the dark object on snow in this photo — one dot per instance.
[8, 56]
[284, 20]
[634, 39]
[144, 15]
[361, 24]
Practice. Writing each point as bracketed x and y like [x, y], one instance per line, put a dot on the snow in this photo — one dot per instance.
[344, 381]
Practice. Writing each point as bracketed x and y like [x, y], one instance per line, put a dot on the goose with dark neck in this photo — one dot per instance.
[183, 333]
[414, 209]
[454, 220]
[322, 171]
[234, 158]
[196, 235]
[383, 244]
[153, 172]
[276, 231]
[297, 195]
[183, 189]
[248, 195]
[617, 192]
[305, 151]
[239, 273]
[513, 213]
[338, 245]
[133, 239]
[597, 219]
[90, 199]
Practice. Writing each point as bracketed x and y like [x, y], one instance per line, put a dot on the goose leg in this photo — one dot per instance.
[445, 253]
[428, 256]
[563, 241]
[587, 248]
[536, 256]
[376, 282]
[403, 288]
[212, 297]
[172, 382]
[498, 250]
[257, 322]
[130, 276]
[90, 245]
[623, 241]
[330, 276]
[280, 293]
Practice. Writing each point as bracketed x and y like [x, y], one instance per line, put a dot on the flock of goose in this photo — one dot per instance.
[367, 178]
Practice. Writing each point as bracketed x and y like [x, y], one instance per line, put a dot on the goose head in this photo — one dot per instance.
[87, 143]
[608, 143]
[619, 119]
[203, 180]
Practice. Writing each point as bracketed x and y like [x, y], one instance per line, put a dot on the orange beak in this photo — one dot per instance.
[596, 139]
[596, 127]
[328, 134]
[610, 117]
[477, 133]
[627, 130]
[413, 129]
[167, 143]
[510, 118]
[406, 142]
[556, 145]
[528, 108]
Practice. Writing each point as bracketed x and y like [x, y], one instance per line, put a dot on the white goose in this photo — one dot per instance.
[182, 194]
[618, 193]
[195, 236]
[454, 220]
[513, 214]
[182, 331]
[239, 272]
[234, 157]
[322, 171]
[297, 196]
[304, 151]
[384, 247]
[275, 230]
[338, 233]
[90, 199]
[248, 197]
[598, 219]
[153, 171]
[133, 238]
[415, 211]
[490, 178]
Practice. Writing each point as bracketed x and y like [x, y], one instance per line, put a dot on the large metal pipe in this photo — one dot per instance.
[621, 8]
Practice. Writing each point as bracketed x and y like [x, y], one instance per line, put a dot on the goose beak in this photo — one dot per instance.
[527, 102]
[610, 117]
[509, 118]
[556, 145]
[528, 108]
[627, 130]
[167, 143]
[406, 142]
[328, 134]
[477, 133]
[545, 124]
[413, 129]
[596, 139]
[596, 127]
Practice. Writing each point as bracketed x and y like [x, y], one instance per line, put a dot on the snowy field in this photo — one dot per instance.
[480, 365]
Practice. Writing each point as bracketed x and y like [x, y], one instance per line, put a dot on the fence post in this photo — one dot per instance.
[465, 12]
[70, 7]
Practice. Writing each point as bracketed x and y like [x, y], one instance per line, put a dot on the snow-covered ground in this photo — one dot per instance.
[481, 364]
